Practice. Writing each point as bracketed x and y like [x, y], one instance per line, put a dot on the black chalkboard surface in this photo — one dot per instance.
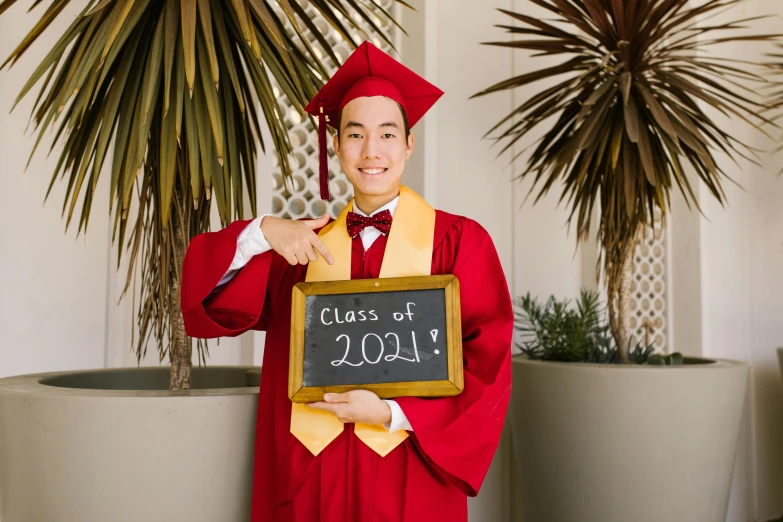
[394, 336]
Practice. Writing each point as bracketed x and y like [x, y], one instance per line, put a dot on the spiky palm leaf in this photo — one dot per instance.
[775, 96]
[178, 87]
[628, 117]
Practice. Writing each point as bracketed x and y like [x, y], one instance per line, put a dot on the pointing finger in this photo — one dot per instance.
[321, 249]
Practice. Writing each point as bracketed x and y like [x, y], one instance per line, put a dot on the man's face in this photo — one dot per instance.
[372, 147]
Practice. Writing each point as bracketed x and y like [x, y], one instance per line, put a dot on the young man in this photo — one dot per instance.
[355, 457]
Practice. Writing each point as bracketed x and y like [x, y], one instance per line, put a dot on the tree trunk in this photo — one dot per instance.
[181, 348]
[618, 300]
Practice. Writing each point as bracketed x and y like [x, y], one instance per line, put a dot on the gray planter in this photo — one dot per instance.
[116, 445]
[625, 443]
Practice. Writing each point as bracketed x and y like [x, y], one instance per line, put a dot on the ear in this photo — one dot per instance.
[336, 144]
[411, 142]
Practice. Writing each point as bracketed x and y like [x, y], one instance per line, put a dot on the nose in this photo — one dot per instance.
[371, 148]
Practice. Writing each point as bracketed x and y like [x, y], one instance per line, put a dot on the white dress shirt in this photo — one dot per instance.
[251, 242]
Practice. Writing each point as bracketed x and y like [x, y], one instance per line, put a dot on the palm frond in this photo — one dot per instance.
[775, 93]
[166, 95]
[627, 110]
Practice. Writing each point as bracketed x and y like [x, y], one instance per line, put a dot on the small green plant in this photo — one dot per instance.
[561, 331]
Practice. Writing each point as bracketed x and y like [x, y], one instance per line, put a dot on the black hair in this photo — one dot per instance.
[404, 123]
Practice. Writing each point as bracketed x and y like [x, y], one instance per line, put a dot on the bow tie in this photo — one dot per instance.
[356, 223]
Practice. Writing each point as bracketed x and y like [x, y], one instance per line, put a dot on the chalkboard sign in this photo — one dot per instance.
[397, 337]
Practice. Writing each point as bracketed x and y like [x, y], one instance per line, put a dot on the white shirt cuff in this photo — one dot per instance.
[251, 242]
[398, 419]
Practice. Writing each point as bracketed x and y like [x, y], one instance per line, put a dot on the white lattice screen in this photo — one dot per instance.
[647, 307]
[302, 200]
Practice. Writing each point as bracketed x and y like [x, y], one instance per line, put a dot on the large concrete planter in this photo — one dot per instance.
[619, 444]
[115, 445]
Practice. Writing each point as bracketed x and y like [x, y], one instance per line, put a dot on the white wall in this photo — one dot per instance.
[742, 318]
[53, 286]
[737, 294]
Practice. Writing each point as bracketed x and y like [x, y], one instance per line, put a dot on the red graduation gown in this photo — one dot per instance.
[446, 457]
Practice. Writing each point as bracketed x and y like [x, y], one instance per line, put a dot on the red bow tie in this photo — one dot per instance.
[356, 223]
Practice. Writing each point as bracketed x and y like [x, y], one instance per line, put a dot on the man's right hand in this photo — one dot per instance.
[296, 240]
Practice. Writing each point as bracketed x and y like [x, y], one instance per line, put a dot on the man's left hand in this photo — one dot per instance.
[361, 406]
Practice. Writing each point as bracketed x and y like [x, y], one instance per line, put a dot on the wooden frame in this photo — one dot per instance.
[297, 392]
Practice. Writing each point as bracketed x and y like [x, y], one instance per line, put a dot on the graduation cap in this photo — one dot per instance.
[368, 72]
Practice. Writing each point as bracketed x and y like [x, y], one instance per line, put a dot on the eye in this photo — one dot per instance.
[388, 135]
[354, 135]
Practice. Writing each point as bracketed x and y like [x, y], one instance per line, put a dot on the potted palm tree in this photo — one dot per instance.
[168, 99]
[629, 118]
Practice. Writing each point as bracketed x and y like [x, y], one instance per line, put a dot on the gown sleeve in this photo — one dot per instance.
[236, 306]
[457, 436]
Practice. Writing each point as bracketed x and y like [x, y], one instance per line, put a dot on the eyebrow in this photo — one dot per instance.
[359, 125]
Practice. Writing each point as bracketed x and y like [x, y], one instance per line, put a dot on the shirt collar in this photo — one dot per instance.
[391, 206]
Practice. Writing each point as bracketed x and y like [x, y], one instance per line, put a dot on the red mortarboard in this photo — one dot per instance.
[368, 72]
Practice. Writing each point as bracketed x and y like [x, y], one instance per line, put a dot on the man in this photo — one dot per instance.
[352, 456]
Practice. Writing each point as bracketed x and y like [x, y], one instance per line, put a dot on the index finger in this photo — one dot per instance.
[321, 249]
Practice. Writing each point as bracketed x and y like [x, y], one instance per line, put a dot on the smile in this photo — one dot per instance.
[372, 171]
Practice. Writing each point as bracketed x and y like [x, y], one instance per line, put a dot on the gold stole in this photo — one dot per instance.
[408, 253]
